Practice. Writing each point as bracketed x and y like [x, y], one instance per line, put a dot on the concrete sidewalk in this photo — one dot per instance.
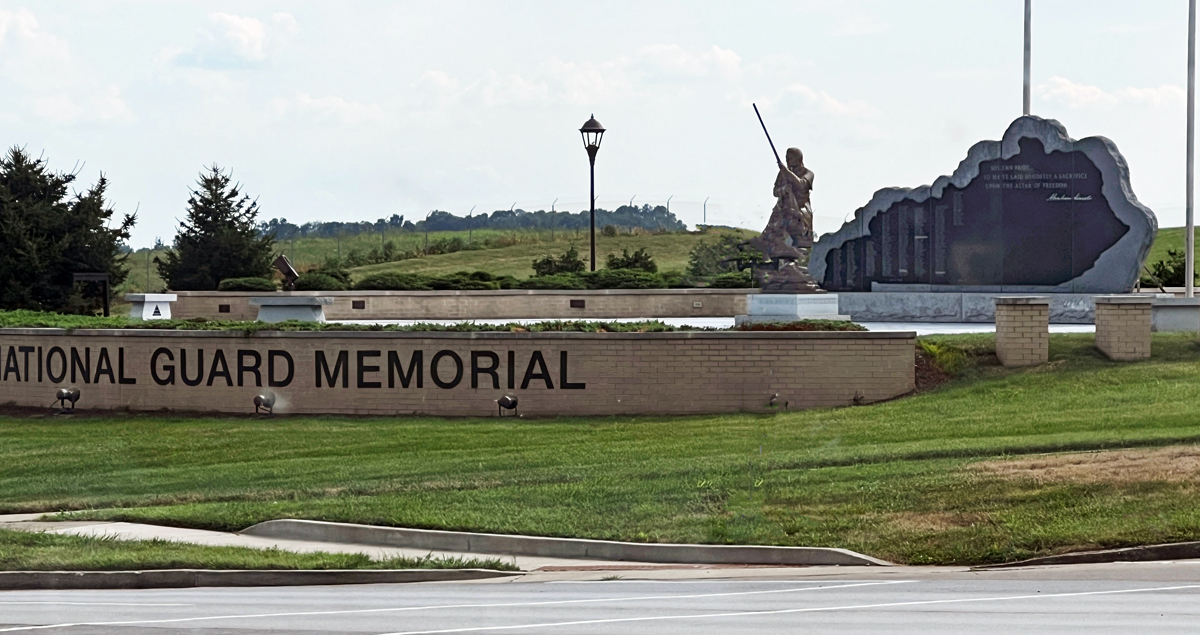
[136, 531]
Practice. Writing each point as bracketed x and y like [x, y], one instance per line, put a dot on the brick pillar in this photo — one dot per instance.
[1123, 326]
[1023, 330]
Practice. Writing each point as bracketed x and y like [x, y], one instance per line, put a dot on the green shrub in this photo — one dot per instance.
[640, 260]
[318, 282]
[569, 262]
[1169, 272]
[953, 361]
[733, 280]
[561, 281]
[391, 281]
[624, 279]
[712, 259]
[246, 284]
[609, 230]
[453, 283]
[677, 280]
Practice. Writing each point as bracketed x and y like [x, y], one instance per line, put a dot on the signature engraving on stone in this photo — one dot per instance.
[1059, 197]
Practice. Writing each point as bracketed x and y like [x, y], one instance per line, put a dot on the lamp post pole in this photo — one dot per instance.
[592, 133]
[1190, 238]
[592, 198]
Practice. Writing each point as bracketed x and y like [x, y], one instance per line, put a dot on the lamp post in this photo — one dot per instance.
[592, 132]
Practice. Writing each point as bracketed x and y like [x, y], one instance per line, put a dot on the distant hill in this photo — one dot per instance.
[657, 218]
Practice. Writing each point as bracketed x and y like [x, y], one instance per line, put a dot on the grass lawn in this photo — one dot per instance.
[25, 551]
[924, 479]
[1168, 238]
[670, 252]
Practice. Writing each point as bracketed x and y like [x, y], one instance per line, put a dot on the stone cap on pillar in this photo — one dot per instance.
[1023, 299]
[1123, 299]
[151, 297]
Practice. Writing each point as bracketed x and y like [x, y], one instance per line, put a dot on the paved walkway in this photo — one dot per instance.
[136, 531]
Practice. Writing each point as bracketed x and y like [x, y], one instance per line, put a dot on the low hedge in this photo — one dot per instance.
[37, 319]
[247, 284]
[318, 282]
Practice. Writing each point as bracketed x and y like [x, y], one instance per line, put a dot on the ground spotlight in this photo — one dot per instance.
[507, 402]
[264, 403]
[65, 395]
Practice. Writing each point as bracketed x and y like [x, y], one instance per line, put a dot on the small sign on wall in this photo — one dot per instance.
[150, 306]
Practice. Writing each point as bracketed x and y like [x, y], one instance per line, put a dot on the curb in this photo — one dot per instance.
[570, 548]
[187, 578]
[1147, 553]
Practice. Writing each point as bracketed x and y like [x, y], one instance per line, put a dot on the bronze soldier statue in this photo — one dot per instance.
[788, 237]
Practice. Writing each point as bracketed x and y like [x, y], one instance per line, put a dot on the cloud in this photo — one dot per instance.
[806, 98]
[330, 109]
[860, 22]
[674, 60]
[236, 41]
[1078, 95]
[55, 87]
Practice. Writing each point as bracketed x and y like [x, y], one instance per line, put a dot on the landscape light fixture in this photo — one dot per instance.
[592, 133]
[507, 402]
[63, 396]
[264, 403]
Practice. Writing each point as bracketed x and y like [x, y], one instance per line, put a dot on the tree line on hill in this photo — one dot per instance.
[656, 218]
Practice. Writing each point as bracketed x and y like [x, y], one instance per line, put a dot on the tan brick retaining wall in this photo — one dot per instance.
[1123, 326]
[484, 305]
[455, 373]
[1022, 330]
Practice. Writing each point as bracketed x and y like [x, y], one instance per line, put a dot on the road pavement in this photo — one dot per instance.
[1112, 598]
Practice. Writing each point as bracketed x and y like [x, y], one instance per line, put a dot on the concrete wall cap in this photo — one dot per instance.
[478, 293]
[1023, 299]
[150, 297]
[477, 335]
[295, 300]
[1180, 302]
[1123, 299]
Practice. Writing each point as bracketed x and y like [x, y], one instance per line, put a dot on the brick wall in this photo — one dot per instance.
[467, 305]
[1123, 326]
[550, 373]
[1022, 330]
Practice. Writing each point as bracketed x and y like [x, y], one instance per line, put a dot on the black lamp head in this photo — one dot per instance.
[508, 402]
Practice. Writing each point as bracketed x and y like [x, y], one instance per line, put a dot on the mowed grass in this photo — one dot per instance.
[670, 252]
[29, 551]
[897, 480]
[1168, 238]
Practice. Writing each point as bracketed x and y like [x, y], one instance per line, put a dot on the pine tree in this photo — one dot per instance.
[46, 235]
[218, 240]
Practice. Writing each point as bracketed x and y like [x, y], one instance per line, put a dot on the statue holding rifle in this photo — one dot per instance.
[788, 237]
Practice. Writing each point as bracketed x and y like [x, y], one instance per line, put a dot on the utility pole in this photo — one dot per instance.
[470, 225]
[669, 202]
[1028, 21]
[1190, 268]
[706, 210]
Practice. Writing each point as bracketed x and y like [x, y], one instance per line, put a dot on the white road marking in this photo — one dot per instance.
[448, 606]
[782, 611]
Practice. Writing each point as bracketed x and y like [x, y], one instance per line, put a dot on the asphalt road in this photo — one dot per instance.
[1117, 599]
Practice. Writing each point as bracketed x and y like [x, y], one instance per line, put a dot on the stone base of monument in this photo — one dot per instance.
[1171, 314]
[790, 307]
[150, 306]
[273, 309]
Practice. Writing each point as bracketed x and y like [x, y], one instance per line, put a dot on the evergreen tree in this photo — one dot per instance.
[46, 234]
[218, 240]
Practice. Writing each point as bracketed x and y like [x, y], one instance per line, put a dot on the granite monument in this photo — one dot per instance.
[1036, 211]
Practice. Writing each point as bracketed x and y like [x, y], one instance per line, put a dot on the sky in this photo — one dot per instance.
[360, 110]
